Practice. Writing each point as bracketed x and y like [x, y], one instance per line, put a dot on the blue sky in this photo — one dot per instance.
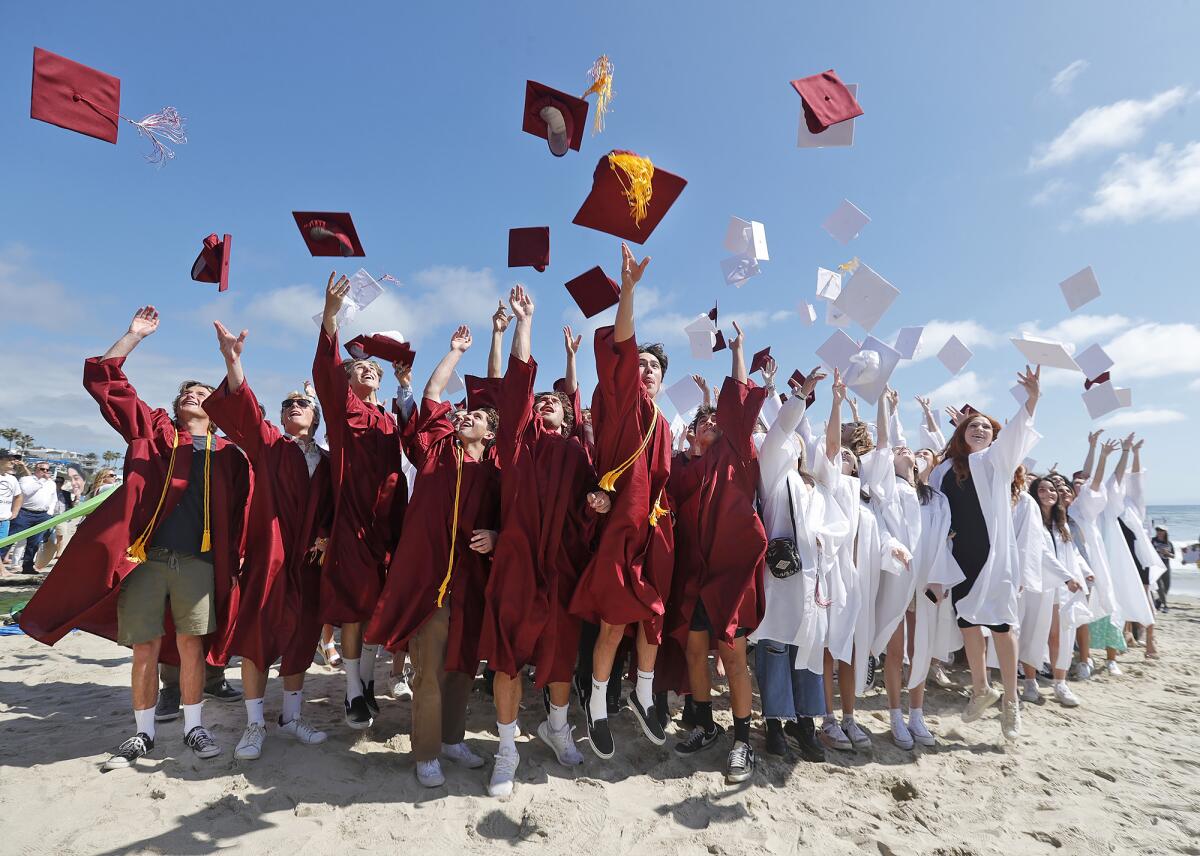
[1002, 150]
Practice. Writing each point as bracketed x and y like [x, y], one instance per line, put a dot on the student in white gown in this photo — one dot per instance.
[1129, 591]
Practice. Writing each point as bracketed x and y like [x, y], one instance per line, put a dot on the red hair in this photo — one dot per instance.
[957, 450]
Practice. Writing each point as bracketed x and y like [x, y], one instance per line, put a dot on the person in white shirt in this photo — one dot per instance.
[10, 498]
[39, 495]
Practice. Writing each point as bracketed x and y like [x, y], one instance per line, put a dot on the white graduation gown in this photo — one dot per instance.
[1044, 574]
[1129, 595]
[1086, 512]
[1134, 516]
[1073, 608]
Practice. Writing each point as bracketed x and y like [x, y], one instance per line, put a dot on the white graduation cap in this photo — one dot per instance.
[1094, 362]
[908, 341]
[685, 394]
[1101, 400]
[808, 313]
[846, 222]
[738, 269]
[836, 351]
[1125, 396]
[866, 297]
[954, 355]
[747, 238]
[1080, 289]
[1045, 352]
[835, 136]
[454, 385]
[836, 318]
[878, 361]
[829, 284]
[363, 291]
[702, 344]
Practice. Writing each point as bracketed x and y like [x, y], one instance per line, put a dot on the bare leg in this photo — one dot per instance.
[1083, 638]
[254, 681]
[846, 685]
[828, 683]
[191, 668]
[697, 664]
[976, 647]
[398, 662]
[560, 693]
[507, 693]
[647, 654]
[605, 651]
[291, 683]
[893, 668]
[352, 641]
[1059, 674]
[737, 672]
[1006, 653]
[144, 678]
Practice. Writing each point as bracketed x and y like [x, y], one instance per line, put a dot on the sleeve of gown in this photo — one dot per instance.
[933, 440]
[896, 430]
[238, 414]
[770, 409]
[1013, 445]
[1135, 492]
[1088, 505]
[120, 406]
[329, 380]
[616, 373]
[774, 458]
[516, 406]
[431, 426]
[737, 413]
[1114, 497]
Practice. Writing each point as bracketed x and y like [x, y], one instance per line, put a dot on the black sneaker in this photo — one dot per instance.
[582, 689]
[698, 739]
[741, 763]
[872, 665]
[358, 715]
[135, 747]
[222, 691]
[369, 695]
[648, 719]
[614, 695]
[202, 743]
[168, 704]
[776, 743]
[687, 719]
[804, 733]
[546, 699]
[662, 710]
[599, 735]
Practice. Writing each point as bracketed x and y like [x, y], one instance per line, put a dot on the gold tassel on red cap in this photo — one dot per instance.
[636, 175]
[601, 75]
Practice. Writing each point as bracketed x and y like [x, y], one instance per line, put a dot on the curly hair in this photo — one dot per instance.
[656, 350]
[957, 450]
[568, 423]
[857, 438]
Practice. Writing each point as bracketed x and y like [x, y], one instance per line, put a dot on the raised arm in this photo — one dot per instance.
[631, 274]
[1105, 450]
[500, 322]
[144, 323]
[1032, 383]
[1123, 461]
[1137, 457]
[335, 295]
[459, 343]
[769, 370]
[881, 420]
[705, 389]
[738, 372]
[1090, 460]
[522, 306]
[231, 349]
[833, 428]
[571, 344]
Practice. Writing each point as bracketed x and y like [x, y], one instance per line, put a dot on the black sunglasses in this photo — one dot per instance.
[303, 402]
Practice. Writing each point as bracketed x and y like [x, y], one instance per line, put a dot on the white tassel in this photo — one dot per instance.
[167, 125]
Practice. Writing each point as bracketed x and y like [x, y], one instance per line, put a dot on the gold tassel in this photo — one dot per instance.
[601, 76]
[658, 511]
[636, 175]
[136, 552]
[608, 481]
[850, 266]
[458, 458]
[206, 539]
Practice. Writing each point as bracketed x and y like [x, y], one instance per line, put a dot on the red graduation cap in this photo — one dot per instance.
[593, 291]
[712, 314]
[573, 112]
[212, 265]
[967, 410]
[382, 346]
[529, 247]
[482, 392]
[82, 99]
[328, 233]
[1103, 377]
[629, 196]
[719, 344]
[760, 360]
[799, 379]
[826, 99]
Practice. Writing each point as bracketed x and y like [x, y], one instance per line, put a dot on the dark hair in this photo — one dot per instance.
[702, 412]
[1058, 514]
[656, 350]
[568, 423]
[493, 418]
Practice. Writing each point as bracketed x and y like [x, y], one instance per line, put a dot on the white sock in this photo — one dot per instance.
[828, 719]
[191, 716]
[291, 705]
[354, 686]
[598, 701]
[897, 715]
[558, 716]
[366, 664]
[847, 718]
[508, 735]
[144, 721]
[254, 711]
[645, 689]
[916, 717]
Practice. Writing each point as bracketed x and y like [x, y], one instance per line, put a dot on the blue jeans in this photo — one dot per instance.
[24, 520]
[3, 535]
[786, 692]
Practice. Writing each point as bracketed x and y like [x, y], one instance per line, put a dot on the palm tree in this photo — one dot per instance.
[9, 434]
[111, 456]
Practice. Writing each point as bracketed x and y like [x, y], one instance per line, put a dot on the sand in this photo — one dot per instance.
[1121, 774]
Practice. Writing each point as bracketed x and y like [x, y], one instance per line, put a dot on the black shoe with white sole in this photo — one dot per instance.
[167, 707]
[599, 735]
[648, 719]
[135, 747]
[358, 715]
[222, 691]
[202, 743]
[698, 739]
[369, 696]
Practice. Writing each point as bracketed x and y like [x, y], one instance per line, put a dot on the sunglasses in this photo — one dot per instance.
[303, 402]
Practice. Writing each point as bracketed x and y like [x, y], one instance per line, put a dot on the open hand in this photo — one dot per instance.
[500, 318]
[144, 322]
[631, 271]
[231, 346]
[461, 340]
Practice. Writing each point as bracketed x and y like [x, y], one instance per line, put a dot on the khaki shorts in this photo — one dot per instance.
[166, 577]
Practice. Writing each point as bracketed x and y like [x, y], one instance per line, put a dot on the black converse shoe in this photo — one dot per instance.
[776, 743]
[698, 739]
[804, 733]
[648, 719]
[135, 747]
[662, 710]
[358, 715]
[202, 743]
[167, 707]
[599, 735]
[222, 691]
[741, 763]
[369, 695]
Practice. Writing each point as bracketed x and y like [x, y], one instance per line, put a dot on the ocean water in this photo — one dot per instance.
[1183, 528]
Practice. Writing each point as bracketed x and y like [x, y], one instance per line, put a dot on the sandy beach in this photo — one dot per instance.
[1121, 774]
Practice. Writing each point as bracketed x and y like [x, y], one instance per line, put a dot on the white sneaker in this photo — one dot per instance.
[939, 676]
[1010, 720]
[1113, 669]
[835, 737]
[429, 774]
[901, 736]
[302, 732]
[980, 703]
[503, 773]
[460, 753]
[1030, 692]
[860, 738]
[1080, 671]
[249, 748]
[1063, 694]
[921, 733]
[562, 742]
[401, 689]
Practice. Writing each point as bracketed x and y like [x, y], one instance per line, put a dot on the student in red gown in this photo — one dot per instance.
[717, 588]
[278, 616]
[432, 603]
[370, 494]
[545, 481]
[629, 576]
[171, 532]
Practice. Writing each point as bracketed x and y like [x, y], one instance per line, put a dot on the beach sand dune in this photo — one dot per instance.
[1121, 774]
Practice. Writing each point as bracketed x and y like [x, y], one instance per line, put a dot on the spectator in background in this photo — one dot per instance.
[10, 499]
[40, 495]
[70, 494]
[1166, 552]
[104, 480]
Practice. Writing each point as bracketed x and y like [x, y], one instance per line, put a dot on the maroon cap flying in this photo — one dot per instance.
[607, 209]
[383, 347]
[760, 360]
[212, 265]
[74, 96]
[594, 292]
[826, 99]
[482, 392]
[799, 378]
[529, 247]
[328, 233]
[719, 344]
[1103, 377]
[574, 112]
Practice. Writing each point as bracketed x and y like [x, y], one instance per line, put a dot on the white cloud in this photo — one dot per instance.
[966, 387]
[1109, 127]
[1155, 350]
[1065, 79]
[1164, 186]
[25, 292]
[1195, 384]
[971, 333]
[1140, 418]
[1076, 329]
[1051, 191]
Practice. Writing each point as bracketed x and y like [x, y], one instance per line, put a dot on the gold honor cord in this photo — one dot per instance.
[137, 550]
[206, 540]
[458, 459]
[608, 482]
